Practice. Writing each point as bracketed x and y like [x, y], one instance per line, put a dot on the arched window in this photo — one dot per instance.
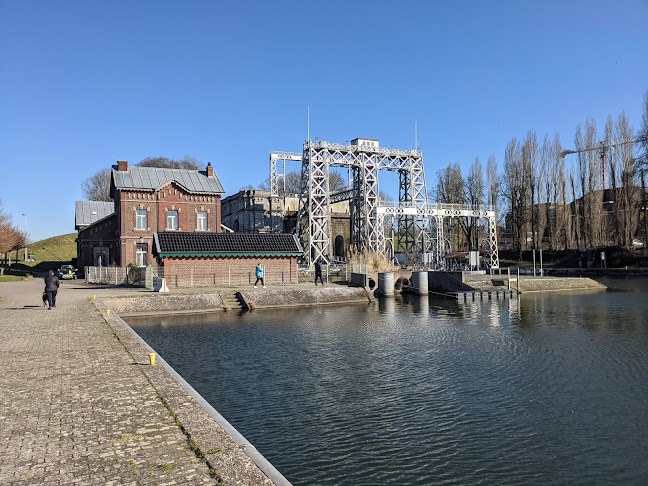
[235, 226]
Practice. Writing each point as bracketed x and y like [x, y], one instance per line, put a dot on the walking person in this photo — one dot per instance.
[259, 276]
[51, 288]
[318, 272]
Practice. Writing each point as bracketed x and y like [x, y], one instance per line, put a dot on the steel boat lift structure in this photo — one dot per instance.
[420, 224]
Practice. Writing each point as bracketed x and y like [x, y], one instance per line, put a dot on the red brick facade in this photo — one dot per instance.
[119, 237]
[228, 271]
[157, 205]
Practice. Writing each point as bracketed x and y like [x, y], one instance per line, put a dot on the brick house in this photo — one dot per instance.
[149, 200]
[226, 259]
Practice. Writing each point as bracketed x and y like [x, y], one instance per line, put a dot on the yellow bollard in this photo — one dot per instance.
[107, 312]
[94, 297]
[152, 359]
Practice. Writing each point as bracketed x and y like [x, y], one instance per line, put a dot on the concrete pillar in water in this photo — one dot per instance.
[386, 284]
[420, 282]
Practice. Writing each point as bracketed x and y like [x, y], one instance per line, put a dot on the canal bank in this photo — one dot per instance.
[82, 403]
[199, 301]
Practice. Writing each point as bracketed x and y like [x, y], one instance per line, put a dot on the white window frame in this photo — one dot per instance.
[141, 254]
[141, 216]
[172, 219]
[201, 221]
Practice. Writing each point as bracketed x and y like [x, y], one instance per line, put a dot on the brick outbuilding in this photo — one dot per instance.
[226, 259]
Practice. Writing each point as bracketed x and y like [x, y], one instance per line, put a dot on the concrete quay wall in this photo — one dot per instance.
[214, 300]
[300, 296]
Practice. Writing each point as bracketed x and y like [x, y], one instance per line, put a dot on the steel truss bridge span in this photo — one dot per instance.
[437, 214]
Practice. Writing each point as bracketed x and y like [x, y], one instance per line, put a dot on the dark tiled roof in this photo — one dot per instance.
[153, 178]
[176, 243]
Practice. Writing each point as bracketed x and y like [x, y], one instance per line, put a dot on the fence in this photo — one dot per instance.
[229, 276]
[330, 273]
[235, 275]
[142, 277]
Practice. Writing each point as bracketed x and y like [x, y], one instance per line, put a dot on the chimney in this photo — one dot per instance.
[210, 170]
[122, 165]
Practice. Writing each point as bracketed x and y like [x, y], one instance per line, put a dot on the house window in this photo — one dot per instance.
[141, 254]
[172, 220]
[201, 221]
[140, 220]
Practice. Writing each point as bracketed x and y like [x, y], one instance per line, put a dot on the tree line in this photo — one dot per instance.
[11, 238]
[547, 197]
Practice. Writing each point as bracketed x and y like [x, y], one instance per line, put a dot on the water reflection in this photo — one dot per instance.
[420, 390]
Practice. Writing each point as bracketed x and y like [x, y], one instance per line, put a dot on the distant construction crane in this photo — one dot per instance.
[602, 147]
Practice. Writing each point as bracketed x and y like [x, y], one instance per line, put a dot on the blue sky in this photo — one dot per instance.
[83, 84]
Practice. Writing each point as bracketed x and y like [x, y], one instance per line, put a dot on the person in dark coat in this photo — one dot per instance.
[318, 272]
[51, 288]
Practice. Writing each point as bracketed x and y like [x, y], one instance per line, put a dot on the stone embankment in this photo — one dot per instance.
[212, 300]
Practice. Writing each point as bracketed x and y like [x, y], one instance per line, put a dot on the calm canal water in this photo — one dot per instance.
[547, 388]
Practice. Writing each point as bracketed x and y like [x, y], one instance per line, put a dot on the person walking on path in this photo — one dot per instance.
[318, 272]
[51, 288]
[259, 276]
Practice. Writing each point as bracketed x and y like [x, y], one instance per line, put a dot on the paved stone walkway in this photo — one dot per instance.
[80, 405]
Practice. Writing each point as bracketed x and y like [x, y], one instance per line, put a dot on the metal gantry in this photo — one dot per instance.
[365, 163]
[275, 174]
[438, 214]
[420, 225]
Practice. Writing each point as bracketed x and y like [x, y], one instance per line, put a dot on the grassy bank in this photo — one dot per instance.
[50, 253]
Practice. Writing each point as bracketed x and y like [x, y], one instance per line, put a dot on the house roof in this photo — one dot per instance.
[152, 178]
[88, 212]
[168, 244]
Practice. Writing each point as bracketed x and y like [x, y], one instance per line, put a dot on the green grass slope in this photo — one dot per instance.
[50, 253]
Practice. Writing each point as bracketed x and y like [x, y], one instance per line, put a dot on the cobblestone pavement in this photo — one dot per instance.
[80, 405]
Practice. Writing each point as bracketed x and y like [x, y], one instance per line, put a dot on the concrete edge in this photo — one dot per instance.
[262, 463]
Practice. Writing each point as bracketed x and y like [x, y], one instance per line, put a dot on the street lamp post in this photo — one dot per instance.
[25, 215]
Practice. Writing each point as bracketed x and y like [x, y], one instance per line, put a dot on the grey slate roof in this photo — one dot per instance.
[246, 244]
[87, 212]
[153, 178]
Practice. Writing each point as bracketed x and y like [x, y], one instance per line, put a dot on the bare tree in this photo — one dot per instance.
[293, 183]
[515, 189]
[579, 194]
[492, 182]
[474, 191]
[643, 163]
[545, 192]
[530, 172]
[186, 162]
[560, 196]
[449, 189]
[97, 186]
[594, 196]
[612, 224]
[629, 198]
[11, 238]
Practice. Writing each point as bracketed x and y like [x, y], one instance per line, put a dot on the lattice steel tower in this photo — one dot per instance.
[365, 158]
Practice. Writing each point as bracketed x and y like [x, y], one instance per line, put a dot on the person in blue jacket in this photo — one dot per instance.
[259, 276]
